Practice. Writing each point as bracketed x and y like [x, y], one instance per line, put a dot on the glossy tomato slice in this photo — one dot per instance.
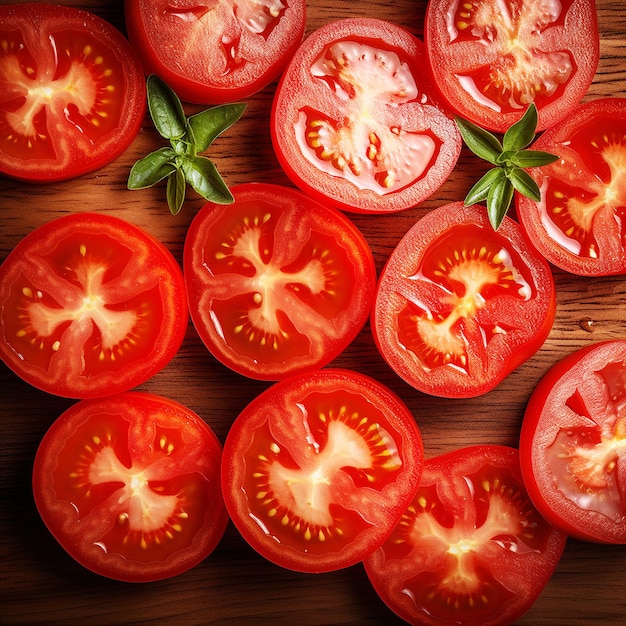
[90, 305]
[318, 469]
[353, 119]
[72, 95]
[471, 548]
[459, 306]
[129, 485]
[579, 224]
[492, 58]
[573, 444]
[218, 51]
[277, 283]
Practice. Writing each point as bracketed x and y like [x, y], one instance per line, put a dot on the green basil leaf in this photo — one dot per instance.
[204, 178]
[524, 183]
[522, 133]
[499, 201]
[175, 191]
[480, 190]
[209, 124]
[166, 109]
[533, 158]
[152, 169]
[480, 141]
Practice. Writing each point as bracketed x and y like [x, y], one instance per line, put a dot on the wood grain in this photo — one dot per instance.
[40, 583]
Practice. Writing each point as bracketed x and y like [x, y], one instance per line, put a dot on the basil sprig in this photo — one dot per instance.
[181, 163]
[510, 158]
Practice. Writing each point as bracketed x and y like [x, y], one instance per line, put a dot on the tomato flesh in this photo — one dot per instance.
[316, 469]
[470, 548]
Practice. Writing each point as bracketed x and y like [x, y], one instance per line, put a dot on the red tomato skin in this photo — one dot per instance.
[421, 115]
[539, 428]
[530, 322]
[168, 59]
[40, 257]
[299, 220]
[75, 154]
[522, 577]
[584, 168]
[280, 407]
[572, 29]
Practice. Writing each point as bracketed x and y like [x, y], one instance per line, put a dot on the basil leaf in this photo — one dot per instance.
[152, 169]
[480, 141]
[478, 193]
[521, 134]
[499, 200]
[204, 178]
[209, 124]
[175, 191]
[166, 109]
[533, 158]
[523, 182]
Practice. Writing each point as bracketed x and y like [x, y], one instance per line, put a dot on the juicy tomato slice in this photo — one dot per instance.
[459, 306]
[90, 305]
[218, 51]
[491, 59]
[579, 224]
[470, 548]
[129, 485]
[73, 92]
[277, 283]
[354, 123]
[573, 444]
[318, 469]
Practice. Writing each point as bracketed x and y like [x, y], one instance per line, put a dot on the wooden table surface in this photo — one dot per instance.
[39, 582]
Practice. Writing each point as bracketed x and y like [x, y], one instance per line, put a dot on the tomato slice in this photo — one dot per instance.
[129, 485]
[579, 224]
[73, 92]
[90, 305]
[354, 122]
[491, 59]
[318, 469]
[459, 306]
[470, 548]
[277, 283]
[218, 51]
[573, 444]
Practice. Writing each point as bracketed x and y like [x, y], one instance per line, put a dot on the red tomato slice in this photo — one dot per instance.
[580, 223]
[90, 305]
[129, 485]
[354, 123]
[318, 469]
[72, 92]
[491, 59]
[471, 548]
[459, 306]
[573, 444]
[218, 51]
[278, 284]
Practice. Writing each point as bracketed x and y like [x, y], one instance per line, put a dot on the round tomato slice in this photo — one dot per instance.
[459, 306]
[579, 224]
[129, 485]
[278, 283]
[471, 548]
[90, 305]
[354, 123]
[573, 444]
[491, 59]
[318, 469]
[73, 93]
[219, 51]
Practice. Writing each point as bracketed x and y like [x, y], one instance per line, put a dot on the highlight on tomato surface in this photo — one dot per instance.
[354, 121]
[470, 548]
[73, 92]
[129, 485]
[579, 224]
[318, 469]
[277, 283]
[90, 305]
[215, 52]
[573, 443]
[459, 306]
[491, 59]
